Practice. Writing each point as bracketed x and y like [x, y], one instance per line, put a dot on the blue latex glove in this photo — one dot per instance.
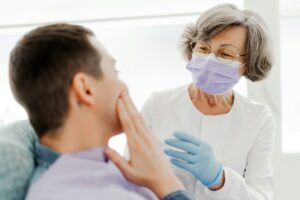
[197, 158]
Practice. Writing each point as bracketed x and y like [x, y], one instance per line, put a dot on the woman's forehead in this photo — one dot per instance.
[233, 36]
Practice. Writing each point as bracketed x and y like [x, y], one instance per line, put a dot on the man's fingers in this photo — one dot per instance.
[126, 121]
[138, 113]
[119, 161]
[134, 115]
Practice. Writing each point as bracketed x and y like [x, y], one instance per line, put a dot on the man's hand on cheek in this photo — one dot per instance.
[147, 165]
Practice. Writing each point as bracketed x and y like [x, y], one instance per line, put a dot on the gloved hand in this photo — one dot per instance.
[197, 158]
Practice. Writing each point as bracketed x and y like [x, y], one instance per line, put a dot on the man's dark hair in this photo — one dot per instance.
[42, 66]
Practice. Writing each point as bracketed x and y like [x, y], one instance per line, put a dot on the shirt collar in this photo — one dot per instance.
[96, 154]
[44, 155]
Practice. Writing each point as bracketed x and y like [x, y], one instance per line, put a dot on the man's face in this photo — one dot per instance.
[109, 89]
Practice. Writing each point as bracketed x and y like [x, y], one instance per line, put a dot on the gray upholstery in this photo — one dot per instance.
[16, 159]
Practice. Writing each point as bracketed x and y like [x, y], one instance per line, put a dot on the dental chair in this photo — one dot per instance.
[16, 159]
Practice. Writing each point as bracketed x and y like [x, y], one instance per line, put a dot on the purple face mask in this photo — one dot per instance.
[213, 76]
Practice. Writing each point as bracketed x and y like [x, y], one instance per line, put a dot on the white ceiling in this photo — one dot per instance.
[19, 12]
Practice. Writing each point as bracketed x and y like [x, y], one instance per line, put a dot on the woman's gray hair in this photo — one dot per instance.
[259, 54]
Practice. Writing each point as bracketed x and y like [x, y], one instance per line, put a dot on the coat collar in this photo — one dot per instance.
[213, 129]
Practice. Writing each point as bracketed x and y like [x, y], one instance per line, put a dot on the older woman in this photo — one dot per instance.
[223, 141]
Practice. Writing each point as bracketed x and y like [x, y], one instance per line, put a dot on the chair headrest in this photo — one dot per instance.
[16, 159]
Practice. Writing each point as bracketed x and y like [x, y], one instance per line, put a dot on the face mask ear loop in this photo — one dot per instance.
[242, 65]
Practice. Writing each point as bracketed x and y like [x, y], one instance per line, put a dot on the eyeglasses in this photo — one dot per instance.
[226, 54]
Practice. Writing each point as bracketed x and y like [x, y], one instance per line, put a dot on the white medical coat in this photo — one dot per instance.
[242, 141]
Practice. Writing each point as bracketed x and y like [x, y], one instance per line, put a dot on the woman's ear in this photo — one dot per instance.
[83, 89]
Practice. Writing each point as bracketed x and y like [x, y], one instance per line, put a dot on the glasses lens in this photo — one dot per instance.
[201, 47]
[227, 55]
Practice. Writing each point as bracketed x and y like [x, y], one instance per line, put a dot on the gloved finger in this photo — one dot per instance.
[181, 155]
[181, 164]
[185, 146]
[186, 137]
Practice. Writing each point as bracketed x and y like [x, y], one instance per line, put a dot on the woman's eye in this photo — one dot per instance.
[225, 55]
[203, 49]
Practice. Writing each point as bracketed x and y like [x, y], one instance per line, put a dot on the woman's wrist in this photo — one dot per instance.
[220, 185]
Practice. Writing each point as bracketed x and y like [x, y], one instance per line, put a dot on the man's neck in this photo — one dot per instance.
[77, 135]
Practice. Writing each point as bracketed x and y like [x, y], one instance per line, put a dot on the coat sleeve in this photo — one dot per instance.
[257, 183]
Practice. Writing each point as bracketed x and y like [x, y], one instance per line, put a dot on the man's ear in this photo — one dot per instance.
[83, 89]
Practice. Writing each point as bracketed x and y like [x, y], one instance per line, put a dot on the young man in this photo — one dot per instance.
[66, 81]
